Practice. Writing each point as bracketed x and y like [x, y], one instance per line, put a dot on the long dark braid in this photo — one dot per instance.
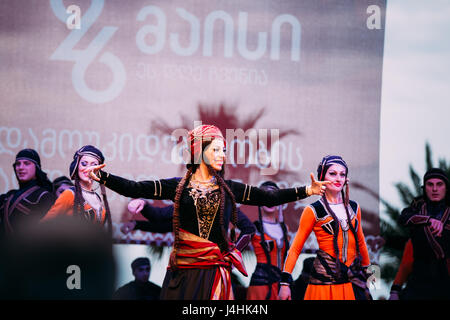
[176, 216]
[335, 235]
[78, 203]
[107, 210]
[346, 198]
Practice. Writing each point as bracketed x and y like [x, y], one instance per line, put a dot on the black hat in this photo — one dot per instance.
[33, 156]
[29, 154]
[60, 181]
[139, 262]
[436, 173]
[87, 150]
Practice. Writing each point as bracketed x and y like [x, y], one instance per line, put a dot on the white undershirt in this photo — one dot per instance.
[93, 200]
[339, 211]
[273, 230]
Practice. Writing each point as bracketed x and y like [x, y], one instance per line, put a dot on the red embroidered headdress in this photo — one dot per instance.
[198, 136]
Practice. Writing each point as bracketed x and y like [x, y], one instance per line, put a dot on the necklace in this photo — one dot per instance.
[203, 185]
[93, 189]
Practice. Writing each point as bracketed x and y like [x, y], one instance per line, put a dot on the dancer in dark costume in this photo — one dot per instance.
[204, 204]
[428, 219]
[32, 200]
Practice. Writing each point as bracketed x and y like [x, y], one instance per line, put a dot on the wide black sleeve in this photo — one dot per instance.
[157, 189]
[45, 202]
[251, 195]
[244, 224]
[158, 219]
[411, 217]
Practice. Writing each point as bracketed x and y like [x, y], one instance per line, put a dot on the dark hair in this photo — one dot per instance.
[58, 182]
[327, 162]
[141, 261]
[78, 203]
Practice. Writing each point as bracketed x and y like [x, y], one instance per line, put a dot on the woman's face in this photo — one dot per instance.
[86, 161]
[337, 174]
[25, 170]
[214, 154]
[270, 211]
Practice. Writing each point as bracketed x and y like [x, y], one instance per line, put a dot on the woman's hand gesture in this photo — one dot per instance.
[93, 170]
[316, 187]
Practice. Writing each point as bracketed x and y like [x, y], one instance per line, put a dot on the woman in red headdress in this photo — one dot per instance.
[204, 205]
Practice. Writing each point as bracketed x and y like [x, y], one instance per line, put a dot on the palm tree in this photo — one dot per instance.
[394, 234]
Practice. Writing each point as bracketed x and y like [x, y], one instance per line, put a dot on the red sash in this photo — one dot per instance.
[198, 253]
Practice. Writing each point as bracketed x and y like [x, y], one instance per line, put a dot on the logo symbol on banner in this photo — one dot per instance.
[83, 58]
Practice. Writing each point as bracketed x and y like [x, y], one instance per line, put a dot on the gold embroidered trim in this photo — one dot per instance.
[206, 201]
[243, 197]
[160, 188]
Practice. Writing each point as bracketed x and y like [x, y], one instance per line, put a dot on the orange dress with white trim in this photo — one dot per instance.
[328, 281]
[264, 284]
[64, 206]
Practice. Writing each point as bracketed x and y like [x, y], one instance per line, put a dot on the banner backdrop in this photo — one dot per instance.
[288, 82]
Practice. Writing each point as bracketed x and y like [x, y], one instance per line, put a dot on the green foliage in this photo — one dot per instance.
[394, 234]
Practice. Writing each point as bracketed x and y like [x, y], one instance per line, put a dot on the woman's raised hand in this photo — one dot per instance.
[93, 170]
[316, 187]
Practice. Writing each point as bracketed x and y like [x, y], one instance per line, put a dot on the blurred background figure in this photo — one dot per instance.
[59, 259]
[140, 288]
[270, 244]
[299, 286]
[403, 272]
[60, 184]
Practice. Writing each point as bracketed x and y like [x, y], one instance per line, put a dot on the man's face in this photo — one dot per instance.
[142, 273]
[25, 170]
[435, 189]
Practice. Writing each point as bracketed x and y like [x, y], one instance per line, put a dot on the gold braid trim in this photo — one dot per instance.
[243, 197]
